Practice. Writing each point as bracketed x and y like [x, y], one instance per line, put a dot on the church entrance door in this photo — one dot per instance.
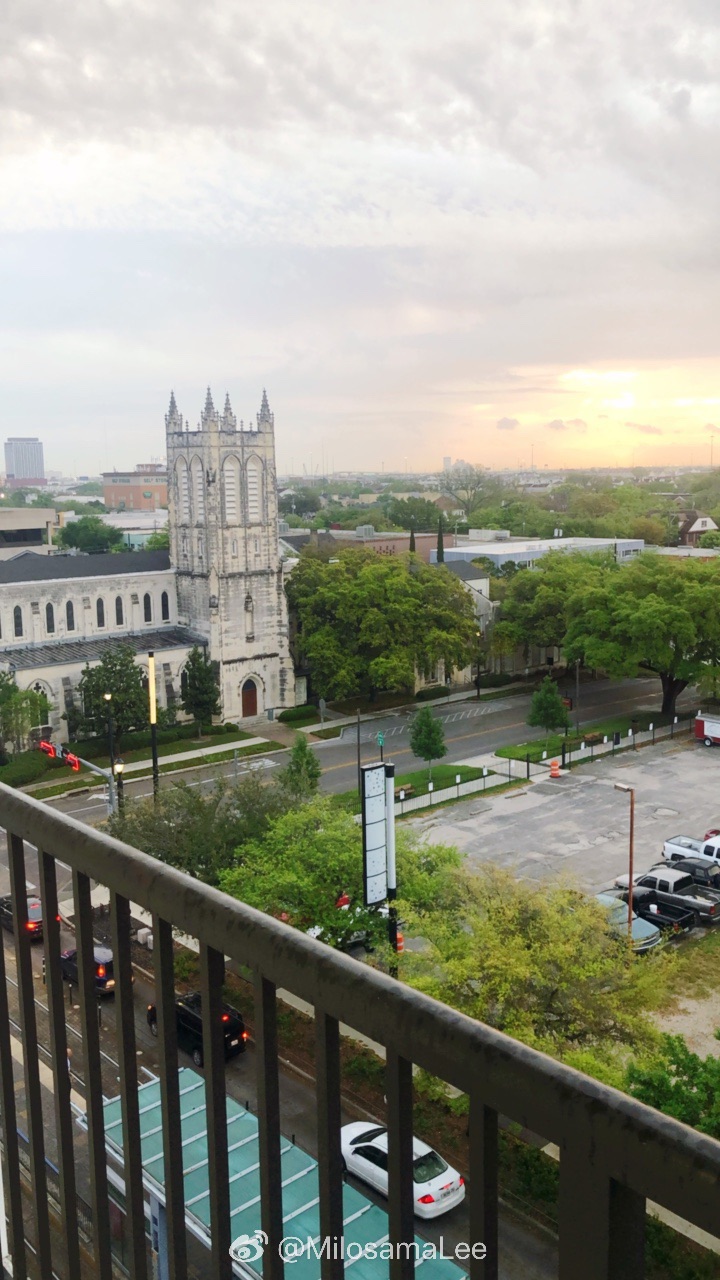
[249, 698]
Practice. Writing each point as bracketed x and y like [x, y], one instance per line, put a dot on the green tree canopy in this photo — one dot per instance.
[427, 738]
[547, 710]
[90, 534]
[413, 513]
[710, 540]
[654, 614]
[159, 540]
[200, 694]
[679, 1083]
[535, 960]
[119, 674]
[367, 622]
[20, 711]
[304, 502]
[199, 832]
[301, 775]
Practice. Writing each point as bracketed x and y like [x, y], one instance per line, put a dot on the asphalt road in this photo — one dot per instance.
[472, 728]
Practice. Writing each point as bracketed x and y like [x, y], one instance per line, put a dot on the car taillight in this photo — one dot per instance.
[58, 919]
[461, 1181]
[711, 911]
[426, 1200]
[30, 924]
[101, 971]
[246, 1035]
[226, 1017]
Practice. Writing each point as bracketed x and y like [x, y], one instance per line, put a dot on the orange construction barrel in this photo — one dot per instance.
[555, 769]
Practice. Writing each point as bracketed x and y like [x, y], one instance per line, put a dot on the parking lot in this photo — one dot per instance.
[577, 827]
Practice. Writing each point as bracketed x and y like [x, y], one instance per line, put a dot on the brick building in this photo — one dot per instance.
[144, 489]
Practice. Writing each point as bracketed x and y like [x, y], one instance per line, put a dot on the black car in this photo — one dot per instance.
[702, 871]
[34, 917]
[104, 972]
[188, 1012]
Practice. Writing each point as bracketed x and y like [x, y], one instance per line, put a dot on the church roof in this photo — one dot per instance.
[30, 567]
[25, 657]
[468, 572]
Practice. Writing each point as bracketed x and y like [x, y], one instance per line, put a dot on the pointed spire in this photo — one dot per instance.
[209, 417]
[265, 418]
[209, 406]
[173, 419]
[229, 420]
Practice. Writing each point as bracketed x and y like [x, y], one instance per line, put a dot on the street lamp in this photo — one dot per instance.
[622, 786]
[108, 699]
[479, 636]
[118, 767]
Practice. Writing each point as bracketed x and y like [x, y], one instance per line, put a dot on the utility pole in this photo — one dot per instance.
[153, 723]
[358, 755]
[577, 696]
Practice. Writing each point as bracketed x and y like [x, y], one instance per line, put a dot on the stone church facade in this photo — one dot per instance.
[221, 585]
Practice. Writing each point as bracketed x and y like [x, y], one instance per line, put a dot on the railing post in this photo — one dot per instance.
[399, 1091]
[330, 1179]
[212, 977]
[483, 1189]
[170, 1098]
[268, 1102]
[602, 1223]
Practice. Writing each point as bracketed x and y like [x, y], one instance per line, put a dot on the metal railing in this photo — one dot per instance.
[614, 1151]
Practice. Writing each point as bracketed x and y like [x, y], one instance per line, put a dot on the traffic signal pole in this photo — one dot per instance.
[60, 752]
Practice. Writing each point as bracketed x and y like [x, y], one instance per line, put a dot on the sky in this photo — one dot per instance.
[485, 231]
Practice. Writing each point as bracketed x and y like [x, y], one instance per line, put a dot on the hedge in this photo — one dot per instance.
[432, 691]
[91, 748]
[298, 713]
[25, 767]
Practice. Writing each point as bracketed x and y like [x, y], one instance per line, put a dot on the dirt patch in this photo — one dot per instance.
[696, 1020]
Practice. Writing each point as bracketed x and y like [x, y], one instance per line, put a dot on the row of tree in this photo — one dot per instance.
[654, 615]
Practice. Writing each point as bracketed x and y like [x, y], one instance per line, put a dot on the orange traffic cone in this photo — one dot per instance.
[555, 769]
[400, 942]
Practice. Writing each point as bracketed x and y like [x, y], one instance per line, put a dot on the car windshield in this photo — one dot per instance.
[34, 911]
[367, 1136]
[428, 1166]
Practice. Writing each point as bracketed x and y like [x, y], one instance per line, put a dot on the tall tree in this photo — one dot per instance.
[366, 622]
[413, 513]
[427, 738]
[20, 711]
[412, 538]
[118, 674]
[440, 543]
[159, 540]
[200, 694]
[653, 615]
[465, 483]
[301, 775]
[91, 534]
[547, 710]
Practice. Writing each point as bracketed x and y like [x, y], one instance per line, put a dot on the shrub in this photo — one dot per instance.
[432, 691]
[298, 713]
[495, 679]
[25, 767]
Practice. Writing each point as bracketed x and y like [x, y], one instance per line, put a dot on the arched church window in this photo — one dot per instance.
[147, 607]
[183, 490]
[17, 620]
[49, 619]
[100, 608]
[118, 611]
[253, 475]
[165, 607]
[70, 616]
[198, 485]
[231, 490]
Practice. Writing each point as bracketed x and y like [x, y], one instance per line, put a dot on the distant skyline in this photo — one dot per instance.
[487, 231]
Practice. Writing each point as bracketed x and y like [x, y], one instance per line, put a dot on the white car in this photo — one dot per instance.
[438, 1188]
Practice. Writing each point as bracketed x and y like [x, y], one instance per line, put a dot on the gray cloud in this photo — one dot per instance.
[644, 428]
[557, 424]
[507, 424]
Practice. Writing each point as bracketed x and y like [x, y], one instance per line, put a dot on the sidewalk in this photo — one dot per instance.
[333, 721]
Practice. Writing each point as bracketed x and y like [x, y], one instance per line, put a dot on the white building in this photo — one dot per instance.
[24, 461]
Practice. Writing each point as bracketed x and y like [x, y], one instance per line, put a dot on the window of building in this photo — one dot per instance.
[147, 607]
[17, 619]
[70, 616]
[49, 619]
[100, 607]
[165, 606]
[233, 547]
[118, 611]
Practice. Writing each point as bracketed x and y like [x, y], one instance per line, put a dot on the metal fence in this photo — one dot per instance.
[614, 1152]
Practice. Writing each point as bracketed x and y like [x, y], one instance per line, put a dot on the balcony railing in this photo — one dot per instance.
[614, 1152]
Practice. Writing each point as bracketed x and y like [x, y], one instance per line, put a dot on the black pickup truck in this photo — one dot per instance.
[668, 916]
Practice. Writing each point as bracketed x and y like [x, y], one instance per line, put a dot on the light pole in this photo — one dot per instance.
[622, 786]
[479, 636]
[577, 697]
[153, 723]
[118, 771]
[111, 780]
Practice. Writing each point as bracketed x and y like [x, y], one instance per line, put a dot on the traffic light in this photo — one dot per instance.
[72, 760]
[60, 752]
[49, 749]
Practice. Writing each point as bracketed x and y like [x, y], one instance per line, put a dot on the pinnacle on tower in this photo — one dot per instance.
[265, 417]
[173, 419]
[209, 406]
[229, 419]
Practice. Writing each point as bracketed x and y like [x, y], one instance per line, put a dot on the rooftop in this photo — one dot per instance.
[29, 656]
[30, 567]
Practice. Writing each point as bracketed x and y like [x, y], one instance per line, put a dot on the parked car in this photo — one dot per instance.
[645, 936]
[676, 886]
[104, 972]
[188, 1017]
[34, 917]
[679, 847]
[703, 872]
[437, 1188]
[666, 915]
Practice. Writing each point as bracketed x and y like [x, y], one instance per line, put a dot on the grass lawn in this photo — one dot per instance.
[186, 746]
[44, 792]
[443, 775]
[616, 724]
[301, 722]
[328, 733]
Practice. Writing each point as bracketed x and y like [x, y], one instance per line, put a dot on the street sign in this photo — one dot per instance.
[381, 739]
[374, 834]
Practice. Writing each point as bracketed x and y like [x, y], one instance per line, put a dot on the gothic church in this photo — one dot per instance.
[220, 585]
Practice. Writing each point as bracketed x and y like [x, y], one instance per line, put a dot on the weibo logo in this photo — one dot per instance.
[248, 1248]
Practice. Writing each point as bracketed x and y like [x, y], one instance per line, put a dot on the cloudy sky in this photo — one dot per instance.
[488, 231]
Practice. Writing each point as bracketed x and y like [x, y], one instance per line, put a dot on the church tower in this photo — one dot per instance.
[222, 501]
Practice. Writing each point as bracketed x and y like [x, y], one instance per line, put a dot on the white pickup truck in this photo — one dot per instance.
[679, 847]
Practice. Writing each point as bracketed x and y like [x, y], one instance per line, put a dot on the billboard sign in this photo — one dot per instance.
[374, 834]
